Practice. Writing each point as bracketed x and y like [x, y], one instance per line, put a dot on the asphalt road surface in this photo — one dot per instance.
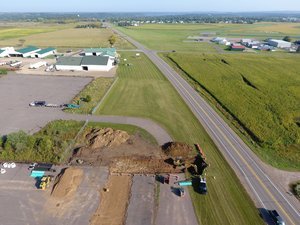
[263, 190]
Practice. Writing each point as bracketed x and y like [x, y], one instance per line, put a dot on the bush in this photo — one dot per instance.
[3, 71]
[88, 98]
[296, 189]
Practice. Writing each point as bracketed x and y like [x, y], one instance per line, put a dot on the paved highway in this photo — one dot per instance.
[265, 193]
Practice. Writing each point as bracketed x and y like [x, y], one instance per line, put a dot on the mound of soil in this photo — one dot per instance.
[106, 137]
[141, 165]
[67, 183]
[177, 149]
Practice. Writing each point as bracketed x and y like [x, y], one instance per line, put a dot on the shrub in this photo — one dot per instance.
[88, 98]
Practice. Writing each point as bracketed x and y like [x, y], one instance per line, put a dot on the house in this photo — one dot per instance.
[87, 63]
[25, 52]
[279, 43]
[44, 53]
[237, 47]
[110, 52]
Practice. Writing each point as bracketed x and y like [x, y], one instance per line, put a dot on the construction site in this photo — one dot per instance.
[111, 178]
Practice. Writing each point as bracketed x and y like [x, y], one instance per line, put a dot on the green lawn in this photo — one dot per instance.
[262, 92]
[143, 91]
[96, 89]
[172, 36]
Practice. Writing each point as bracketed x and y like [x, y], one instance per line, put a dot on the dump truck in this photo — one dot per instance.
[45, 182]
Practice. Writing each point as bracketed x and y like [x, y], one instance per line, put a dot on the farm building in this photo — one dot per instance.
[87, 63]
[44, 53]
[5, 52]
[279, 43]
[69, 63]
[237, 47]
[25, 52]
[221, 41]
[110, 52]
[97, 63]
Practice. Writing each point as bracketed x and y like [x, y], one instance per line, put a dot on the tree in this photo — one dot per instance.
[287, 38]
[112, 40]
[88, 98]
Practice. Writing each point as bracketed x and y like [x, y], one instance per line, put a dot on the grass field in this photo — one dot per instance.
[96, 89]
[68, 38]
[262, 92]
[171, 36]
[143, 91]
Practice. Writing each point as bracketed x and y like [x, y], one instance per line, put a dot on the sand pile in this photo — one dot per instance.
[106, 137]
[67, 182]
[177, 149]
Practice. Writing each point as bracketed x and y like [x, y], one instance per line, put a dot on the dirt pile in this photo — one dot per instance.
[106, 137]
[67, 183]
[141, 165]
[177, 149]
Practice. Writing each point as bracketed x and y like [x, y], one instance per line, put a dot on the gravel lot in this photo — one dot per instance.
[23, 204]
[141, 203]
[17, 91]
[173, 209]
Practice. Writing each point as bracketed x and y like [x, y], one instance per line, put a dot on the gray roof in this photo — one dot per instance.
[69, 61]
[95, 60]
[1, 51]
[28, 49]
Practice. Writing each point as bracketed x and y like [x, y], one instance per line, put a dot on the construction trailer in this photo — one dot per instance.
[37, 65]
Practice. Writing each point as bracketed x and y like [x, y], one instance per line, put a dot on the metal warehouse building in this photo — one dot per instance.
[279, 43]
[25, 52]
[86, 63]
[44, 53]
[110, 52]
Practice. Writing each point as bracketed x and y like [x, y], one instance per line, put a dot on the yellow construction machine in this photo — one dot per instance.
[45, 182]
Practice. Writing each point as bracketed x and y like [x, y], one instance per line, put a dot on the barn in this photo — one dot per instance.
[25, 52]
[110, 52]
[279, 43]
[44, 53]
[86, 63]
[97, 63]
[69, 63]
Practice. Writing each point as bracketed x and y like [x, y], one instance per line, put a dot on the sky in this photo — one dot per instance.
[148, 5]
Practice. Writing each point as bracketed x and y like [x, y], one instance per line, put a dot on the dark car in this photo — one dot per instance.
[38, 103]
[202, 186]
[276, 217]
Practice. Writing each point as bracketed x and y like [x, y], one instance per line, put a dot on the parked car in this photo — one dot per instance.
[38, 103]
[276, 217]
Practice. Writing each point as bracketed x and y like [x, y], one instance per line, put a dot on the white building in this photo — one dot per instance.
[279, 43]
[5, 52]
[69, 63]
[44, 53]
[110, 52]
[86, 63]
[25, 52]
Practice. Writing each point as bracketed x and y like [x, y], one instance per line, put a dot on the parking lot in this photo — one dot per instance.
[23, 204]
[17, 91]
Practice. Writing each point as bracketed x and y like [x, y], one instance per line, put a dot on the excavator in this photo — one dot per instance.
[45, 182]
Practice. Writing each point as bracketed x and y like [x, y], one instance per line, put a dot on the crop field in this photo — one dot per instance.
[96, 89]
[142, 91]
[261, 92]
[62, 38]
[172, 36]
